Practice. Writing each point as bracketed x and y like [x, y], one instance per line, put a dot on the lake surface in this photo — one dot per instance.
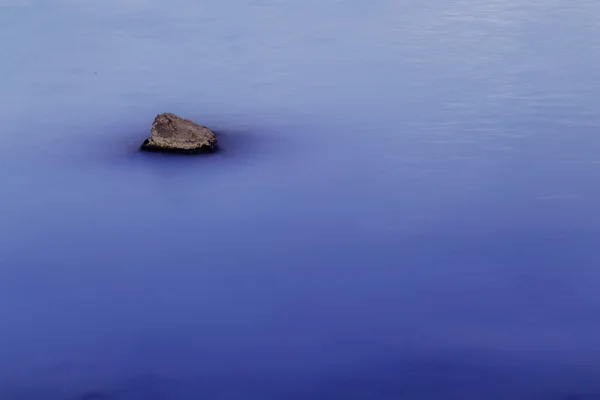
[406, 204]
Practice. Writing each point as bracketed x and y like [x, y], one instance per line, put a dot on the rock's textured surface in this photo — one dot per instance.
[171, 133]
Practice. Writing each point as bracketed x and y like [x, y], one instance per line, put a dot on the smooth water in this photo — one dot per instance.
[405, 205]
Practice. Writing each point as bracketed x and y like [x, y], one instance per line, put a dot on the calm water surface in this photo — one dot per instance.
[406, 205]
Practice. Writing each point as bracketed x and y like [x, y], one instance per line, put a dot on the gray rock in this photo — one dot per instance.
[171, 133]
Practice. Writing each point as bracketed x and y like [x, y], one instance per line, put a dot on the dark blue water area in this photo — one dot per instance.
[404, 205]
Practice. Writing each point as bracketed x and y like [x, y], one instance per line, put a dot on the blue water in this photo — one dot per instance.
[405, 205]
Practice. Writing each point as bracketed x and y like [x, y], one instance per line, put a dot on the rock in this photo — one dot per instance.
[171, 133]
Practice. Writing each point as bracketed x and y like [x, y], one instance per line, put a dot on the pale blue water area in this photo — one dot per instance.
[406, 204]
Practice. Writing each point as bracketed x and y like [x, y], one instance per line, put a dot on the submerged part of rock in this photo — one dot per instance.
[171, 133]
